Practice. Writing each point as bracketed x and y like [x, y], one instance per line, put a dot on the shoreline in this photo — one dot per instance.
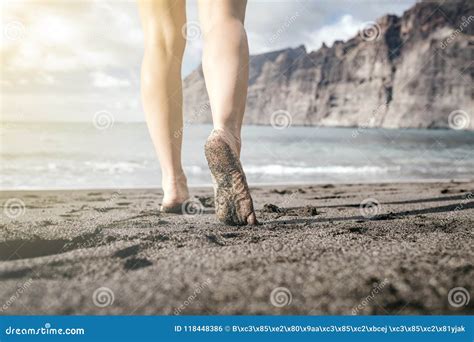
[329, 247]
[359, 127]
[254, 185]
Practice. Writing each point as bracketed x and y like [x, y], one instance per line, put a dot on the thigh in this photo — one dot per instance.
[211, 11]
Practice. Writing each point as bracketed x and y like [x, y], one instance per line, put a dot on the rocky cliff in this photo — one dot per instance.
[408, 71]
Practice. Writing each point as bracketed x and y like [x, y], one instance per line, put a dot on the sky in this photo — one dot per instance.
[66, 60]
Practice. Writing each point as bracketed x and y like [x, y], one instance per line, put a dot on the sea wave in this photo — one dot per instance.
[115, 166]
[91, 168]
[277, 169]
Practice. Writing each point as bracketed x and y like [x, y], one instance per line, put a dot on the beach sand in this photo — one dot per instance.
[112, 252]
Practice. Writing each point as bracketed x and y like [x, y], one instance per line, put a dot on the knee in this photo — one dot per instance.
[165, 41]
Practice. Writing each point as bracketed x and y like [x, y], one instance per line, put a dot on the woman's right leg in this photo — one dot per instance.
[161, 89]
[225, 67]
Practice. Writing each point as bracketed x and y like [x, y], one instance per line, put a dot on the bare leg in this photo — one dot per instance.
[225, 62]
[162, 21]
[225, 67]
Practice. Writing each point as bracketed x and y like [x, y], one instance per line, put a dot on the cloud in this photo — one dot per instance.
[308, 22]
[72, 35]
[59, 48]
[103, 80]
[344, 29]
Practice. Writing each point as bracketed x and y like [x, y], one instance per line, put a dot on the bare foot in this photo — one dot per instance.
[233, 202]
[175, 194]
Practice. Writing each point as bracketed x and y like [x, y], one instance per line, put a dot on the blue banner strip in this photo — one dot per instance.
[236, 328]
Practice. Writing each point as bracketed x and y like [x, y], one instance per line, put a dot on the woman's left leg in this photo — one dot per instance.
[162, 22]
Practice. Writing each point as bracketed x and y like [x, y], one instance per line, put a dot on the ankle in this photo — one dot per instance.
[232, 136]
[175, 188]
[171, 184]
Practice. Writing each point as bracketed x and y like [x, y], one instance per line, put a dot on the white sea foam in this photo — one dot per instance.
[79, 156]
[276, 169]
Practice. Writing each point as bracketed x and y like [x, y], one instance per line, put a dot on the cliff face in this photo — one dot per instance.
[409, 71]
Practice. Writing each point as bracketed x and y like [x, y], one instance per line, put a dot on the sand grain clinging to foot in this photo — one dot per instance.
[233, 202]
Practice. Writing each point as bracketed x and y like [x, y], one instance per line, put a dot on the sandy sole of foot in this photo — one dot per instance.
[316, 252]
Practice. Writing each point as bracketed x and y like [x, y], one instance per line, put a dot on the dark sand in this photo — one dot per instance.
[330, 259]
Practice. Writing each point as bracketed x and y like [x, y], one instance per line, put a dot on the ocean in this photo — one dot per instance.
[81, 156]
